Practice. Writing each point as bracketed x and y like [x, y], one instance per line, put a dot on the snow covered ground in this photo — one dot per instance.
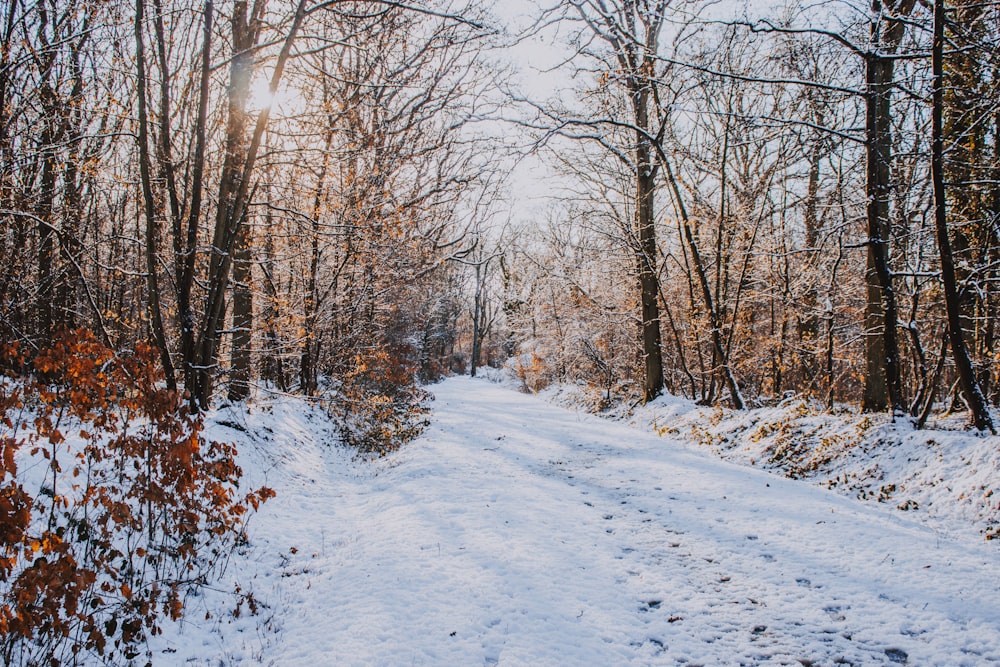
[945, 476]
[515, 532]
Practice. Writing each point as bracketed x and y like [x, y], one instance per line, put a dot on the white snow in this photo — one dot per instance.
[515, 532]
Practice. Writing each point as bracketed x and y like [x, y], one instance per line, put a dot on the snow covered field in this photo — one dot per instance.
[514, 532]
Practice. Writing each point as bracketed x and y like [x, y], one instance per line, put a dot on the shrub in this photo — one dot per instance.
[119, 507]
[534, 374]
[379, 407]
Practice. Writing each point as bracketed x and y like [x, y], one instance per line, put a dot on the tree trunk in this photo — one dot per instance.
[993, 300]
[476, 320]
[43, 208]
[719, 350]
[809, 328]
[308, 361]
[649, 284]
[272, 368]
[883, 386]
[960, 353]
[46, 245]
[234, 184]
[240, 376]
[184, 249]
[308, 378]
[149, 206]
[230, 213]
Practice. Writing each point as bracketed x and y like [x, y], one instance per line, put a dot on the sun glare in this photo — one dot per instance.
[284, 102]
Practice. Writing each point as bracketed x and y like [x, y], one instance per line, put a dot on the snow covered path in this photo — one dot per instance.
[514, 532]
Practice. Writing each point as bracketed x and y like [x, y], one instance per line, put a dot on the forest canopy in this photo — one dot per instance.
[308, 196]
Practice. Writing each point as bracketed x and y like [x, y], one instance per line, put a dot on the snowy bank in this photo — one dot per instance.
[944, 475]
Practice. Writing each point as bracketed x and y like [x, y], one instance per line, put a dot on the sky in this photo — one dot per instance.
[534, 59]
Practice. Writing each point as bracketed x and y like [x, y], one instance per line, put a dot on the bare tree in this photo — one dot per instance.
[631, 33]
[967, 377]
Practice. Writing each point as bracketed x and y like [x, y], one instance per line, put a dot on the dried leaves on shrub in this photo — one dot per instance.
[118, 522]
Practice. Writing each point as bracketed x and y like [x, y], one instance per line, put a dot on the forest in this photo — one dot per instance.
[202, 202]
[311, 197]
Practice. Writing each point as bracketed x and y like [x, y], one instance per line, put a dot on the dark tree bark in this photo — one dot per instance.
[185, 248]
[152, 235]
[272, 366]
[308, 362]
[960, 353]
[809, 326]
[476, 331]
[309, 356]
[43, 208]
[636, 54]
[649, 284]
[883, 384]
[482, 316]
[230, 234]
[241, 362]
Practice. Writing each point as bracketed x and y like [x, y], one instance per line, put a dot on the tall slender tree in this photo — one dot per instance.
[632, 31]
[959, 351]
[883, 381]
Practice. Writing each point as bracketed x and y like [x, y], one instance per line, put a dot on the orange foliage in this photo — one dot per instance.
[535, 376]
[129, 516]
[379, 407]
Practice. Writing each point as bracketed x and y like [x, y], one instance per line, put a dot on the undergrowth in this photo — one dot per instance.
[380, 407]
[112, 506]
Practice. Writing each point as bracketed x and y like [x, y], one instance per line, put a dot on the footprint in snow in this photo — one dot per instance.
[897, 655]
